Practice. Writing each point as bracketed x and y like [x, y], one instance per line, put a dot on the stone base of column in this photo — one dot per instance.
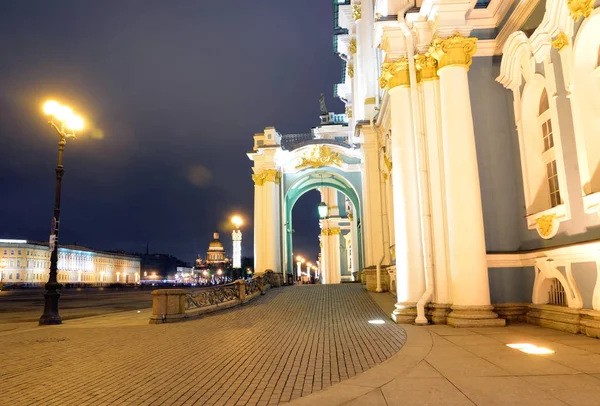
[474, 316]
[405, 313]
[438, 312]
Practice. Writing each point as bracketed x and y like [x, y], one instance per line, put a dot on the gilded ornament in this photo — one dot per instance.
[356, 12]
[348, 112]
[426, 66]
[318, 157]
[350, 216]
[388, 162]
[560, 41]
[545, 225]
[352, 46]
[394, 74]
[351, 70]
[267, 175]
[370, 100]
[580, 8]
[331, 231]
[454, 50]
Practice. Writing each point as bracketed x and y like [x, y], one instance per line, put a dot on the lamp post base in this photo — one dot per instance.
[50, 316]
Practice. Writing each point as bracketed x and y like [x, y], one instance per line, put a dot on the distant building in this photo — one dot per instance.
[28, 262]
[160, 267]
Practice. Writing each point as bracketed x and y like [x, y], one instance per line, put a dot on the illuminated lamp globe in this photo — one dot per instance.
[323, 210]
[51, 107]
[63, 113]
[75, 123]
[237, 221]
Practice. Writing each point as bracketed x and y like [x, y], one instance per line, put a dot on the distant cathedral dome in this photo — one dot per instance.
[216, 251]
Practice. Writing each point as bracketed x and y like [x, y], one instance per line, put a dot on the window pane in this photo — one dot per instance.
[544, 102]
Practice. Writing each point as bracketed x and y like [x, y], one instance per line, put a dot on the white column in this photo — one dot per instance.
[267, 220]
[466, 239]
[371, 222]
[258, 228]
[410, 276]
[355, 247]
[430, 87]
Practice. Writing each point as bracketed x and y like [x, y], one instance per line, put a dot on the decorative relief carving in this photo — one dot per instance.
[560, 41]
[547, 226]
[356, 12]
[351, 70]
[580, 8]
[252, 286]
[267, 175]
[353, 46]
[426, 67]
[394, 74]
[388, 163]
[454, 50]
[318, 157]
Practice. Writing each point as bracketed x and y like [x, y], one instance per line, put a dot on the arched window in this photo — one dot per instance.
[548, 156]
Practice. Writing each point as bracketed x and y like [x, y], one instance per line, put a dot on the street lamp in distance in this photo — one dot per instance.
[65, 123]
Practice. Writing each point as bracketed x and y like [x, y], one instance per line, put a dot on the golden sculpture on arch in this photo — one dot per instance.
[318, 157]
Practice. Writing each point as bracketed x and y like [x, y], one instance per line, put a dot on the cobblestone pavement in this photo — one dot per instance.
[287, 344]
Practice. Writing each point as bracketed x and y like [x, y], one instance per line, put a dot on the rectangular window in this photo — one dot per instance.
[18, 276]
[12, 252]
[18, 263]
[547, 134]
[552, 176]
[19, 252]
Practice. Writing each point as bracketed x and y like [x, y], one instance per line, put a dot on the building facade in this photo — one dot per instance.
[474, 125]
[28, 263]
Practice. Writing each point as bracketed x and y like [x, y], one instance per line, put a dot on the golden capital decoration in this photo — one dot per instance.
[331, 231]
[560, 41]
[318, 157]
[388, 163]
[580, 8]
[426, 67]
[348, 112]
[350, 216]
[546, 226]
[456, 50]
[394, 74]
[267, 175]
[351, 70]
[356, 12]
[352, 46]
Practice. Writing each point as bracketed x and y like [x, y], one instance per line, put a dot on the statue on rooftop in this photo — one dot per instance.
[322, 103]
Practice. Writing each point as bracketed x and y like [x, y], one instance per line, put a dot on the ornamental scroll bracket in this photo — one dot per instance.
[318, 157]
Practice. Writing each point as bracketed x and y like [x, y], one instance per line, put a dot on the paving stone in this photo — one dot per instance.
[289, 343]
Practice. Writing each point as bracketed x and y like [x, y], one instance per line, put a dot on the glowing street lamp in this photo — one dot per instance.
[323, 210]
[308, 266]
[236, 237]
[65, 123]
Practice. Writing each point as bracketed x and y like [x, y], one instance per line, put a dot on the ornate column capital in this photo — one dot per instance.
[331, 231]
[266, 175]
[351, 70]
[580, 8]
[352, 46]
[395, 74]
[426, 67]
[356, 11]
[560, 41]
[454, 50]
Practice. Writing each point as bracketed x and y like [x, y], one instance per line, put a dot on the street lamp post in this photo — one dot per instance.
[68, 123]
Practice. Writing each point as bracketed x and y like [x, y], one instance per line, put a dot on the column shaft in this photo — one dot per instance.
[410, 277]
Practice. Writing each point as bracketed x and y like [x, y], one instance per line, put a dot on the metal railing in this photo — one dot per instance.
[213, 295]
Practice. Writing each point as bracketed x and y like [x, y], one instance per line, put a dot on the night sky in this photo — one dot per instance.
[172, 92]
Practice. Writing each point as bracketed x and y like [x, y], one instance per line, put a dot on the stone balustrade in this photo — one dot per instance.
[171, 305]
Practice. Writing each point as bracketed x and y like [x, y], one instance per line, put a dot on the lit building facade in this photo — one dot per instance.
[27, 262]
[470, 154]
